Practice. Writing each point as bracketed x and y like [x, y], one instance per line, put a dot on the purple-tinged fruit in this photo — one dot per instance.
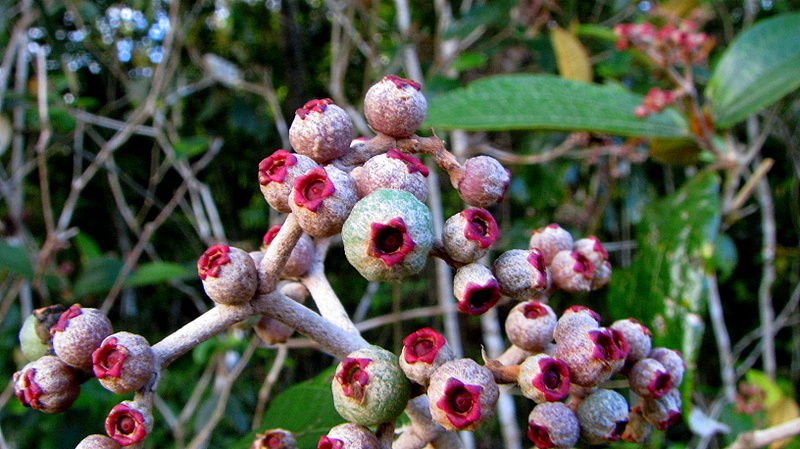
[322, 199]
[393, 170]
[321, 130]
[349, 436]
[649, 379]
[78, 332]
[521, 273]
[462, 395]
[476, 289]
[543, 378]
[592, 355]
[550, 240]
[638, 336]
[274, 439]
[530, 325]
[672, 361]
[574, 319]
[468, 235]
[395, 106]
[124, 362]
[98, 442]
[664, 411]
[553, 425]
[603, 416]
[571, 271]
[276, 175]
[638, 430]
[47, 384]
[424, 351]
[484, 181]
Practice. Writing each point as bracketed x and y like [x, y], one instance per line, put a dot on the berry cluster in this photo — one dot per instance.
[372, 192]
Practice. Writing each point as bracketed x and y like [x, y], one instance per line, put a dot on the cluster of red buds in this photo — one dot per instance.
[670, 45]
[655, 101]
[372, 192]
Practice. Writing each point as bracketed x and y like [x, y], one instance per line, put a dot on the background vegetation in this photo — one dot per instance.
[130, 133]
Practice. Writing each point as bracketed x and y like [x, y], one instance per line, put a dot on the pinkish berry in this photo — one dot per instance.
[47, 384]
[369, 387]
[395, 106]
[424, 351]
[321, 130]
[476, 289]
[649, 379]
[98, 442]
[593, 355]
[664, 411]
[672, 361]
[521, 273]
[468, 235]
[349, 436]
[603, 416]
[229, 274]
[550, 240]
[462, 395]
[484, 181]
[553, 425]
[274, 439]
[77, 334]
[602, 276]
[593, 249]
[128, 423]
[300, 258]
[638, 337]
[124, 362]
[322, 199]
[388, 235]
[543, 378]
[571, 271]
[392, 170]
[276, 175]
[530, 325]
[575, 319]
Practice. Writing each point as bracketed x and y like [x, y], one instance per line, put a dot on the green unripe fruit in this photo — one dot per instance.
[369, 387]
[31, 345]
[388, 235]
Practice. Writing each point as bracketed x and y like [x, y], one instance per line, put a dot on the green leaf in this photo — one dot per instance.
[546, 102]
[87, 248]
[759, 67]
[665, 287]
[305, 409]
[157, 272]
[192, 146]
[489, 14]
[97, 276]
[15, 260]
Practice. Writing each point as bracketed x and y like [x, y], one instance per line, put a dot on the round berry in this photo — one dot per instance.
[424, 351]
[47, 384]
[229, 274]
[322, 199]
[550, 240]
[276, 175]
[543, 378]
[553, 425]
[484, 181]
[78, 332]
[468, 235]
[530, 325]
[128, 422]
[521, 273]
[603, 416]
[462, 395]
[476, 289]
[392, 170]
[395, 106]
[321, 130]
[349, 436]
[124, 362]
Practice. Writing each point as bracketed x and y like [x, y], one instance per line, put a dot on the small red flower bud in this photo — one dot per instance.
[321, 130]
[128, 423]
[47, 384]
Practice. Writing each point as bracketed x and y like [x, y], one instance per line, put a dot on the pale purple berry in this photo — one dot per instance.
[521, 273]
[395, 106]
[321, 130]
[275, 439]
[424, 351]
[78, 332]
[603, 416]
[484, 181]
[276, 175]
[228, 273]
[124, 362]
[638, 336]
[322, 199]
[468, 235]
[649, 379]
[672, 361]
[664, 411]
[300, 258]
[392, 170]
[530, 325]
[476, 289]
[47, 384]
[553, 425]
[572, 271]
[462, 395]
[349, 436]
[543, 378]
[550, 240]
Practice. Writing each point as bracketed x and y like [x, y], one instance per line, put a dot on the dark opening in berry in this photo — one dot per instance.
[210, 262]
[461, 402]
[661, 384]
[540, 436]
[312, 188]
[422, 345]
[313, 106]
[481, 226]
[607, 345]
[533, 310]
[479, 298]
[536, 259]
[583, 265]
[329, 443]
[125, 425]
[616, 432]
[554, 379]
[274, 167]
[391, 241]
[353, 377]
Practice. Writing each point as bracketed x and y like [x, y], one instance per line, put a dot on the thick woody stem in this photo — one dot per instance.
[434, 147]
[277, 254]
[761, 438]
[328, 303]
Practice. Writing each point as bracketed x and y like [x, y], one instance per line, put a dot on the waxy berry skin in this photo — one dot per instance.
[571, 271]
[603, 416]
[553, 425]
[543, 378]
[550, 240]
[476, 289]
[424, 351]
[322, 199]
[392, 170]
[124, 362]
[530, 325]
[521, 273]
[395, 106]
[98, 442]
[129, 422]
[468, 235]
[349, 436]
[369, 387]
[484, 181]
[276, 176]
[388, 235]
[321, 130]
